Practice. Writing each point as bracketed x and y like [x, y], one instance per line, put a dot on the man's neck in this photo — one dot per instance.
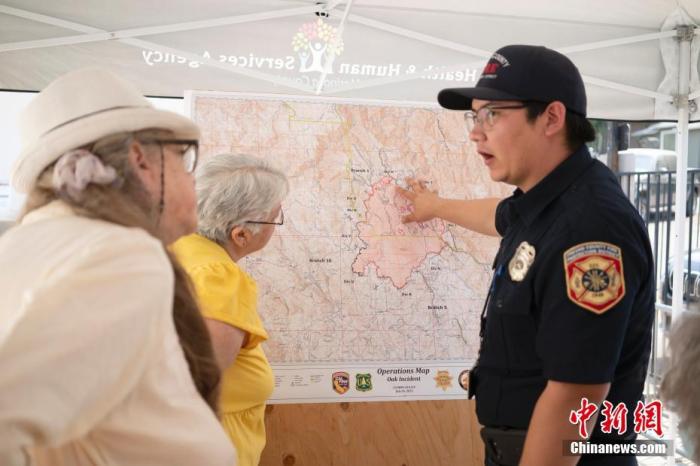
[550, 158]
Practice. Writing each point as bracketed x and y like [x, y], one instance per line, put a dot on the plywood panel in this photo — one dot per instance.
[409, 433]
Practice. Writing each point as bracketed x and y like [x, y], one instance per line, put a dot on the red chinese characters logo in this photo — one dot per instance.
[647, 417]
[613, 418]
[582, 415]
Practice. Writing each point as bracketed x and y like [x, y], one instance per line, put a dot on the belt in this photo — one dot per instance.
[503, 447]
[478, 370]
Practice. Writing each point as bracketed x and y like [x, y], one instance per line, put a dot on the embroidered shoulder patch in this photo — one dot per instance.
[595, 278]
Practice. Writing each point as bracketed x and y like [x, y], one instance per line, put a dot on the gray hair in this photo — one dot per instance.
[125, 201]
[680, 384]
[233, 189]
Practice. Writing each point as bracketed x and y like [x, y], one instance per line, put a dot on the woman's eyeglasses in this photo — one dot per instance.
[279, 220]
[189, 149]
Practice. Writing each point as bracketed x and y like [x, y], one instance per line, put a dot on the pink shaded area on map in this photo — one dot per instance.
[393, 248]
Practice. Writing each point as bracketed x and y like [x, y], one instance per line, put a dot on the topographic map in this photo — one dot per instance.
[343, 280]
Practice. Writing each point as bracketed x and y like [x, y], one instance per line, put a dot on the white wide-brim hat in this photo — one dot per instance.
[79, 108]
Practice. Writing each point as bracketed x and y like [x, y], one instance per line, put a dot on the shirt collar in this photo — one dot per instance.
[53, 209]
[529, 205]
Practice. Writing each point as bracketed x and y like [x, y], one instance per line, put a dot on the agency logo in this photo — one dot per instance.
[341, 382]
[317, 44]
[363, 382]
[463, 379]
[443, 380]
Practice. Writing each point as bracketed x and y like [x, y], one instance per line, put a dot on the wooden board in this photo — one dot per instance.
[407, 433]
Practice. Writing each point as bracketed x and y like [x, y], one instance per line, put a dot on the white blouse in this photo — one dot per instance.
[91, 371]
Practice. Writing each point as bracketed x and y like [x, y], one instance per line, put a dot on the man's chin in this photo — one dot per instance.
[496, 176]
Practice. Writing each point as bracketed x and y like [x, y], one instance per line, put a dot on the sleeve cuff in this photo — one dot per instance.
[256, 334]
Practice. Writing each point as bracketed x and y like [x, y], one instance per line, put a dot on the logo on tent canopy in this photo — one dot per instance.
[317, 43]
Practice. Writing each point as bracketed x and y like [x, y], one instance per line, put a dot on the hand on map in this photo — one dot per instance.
[423, 201]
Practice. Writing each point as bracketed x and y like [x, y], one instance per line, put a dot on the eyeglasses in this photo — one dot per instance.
[189, 149]
[279, 220]
[485, 116]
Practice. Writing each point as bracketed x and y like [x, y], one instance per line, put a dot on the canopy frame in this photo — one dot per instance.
[129, 37]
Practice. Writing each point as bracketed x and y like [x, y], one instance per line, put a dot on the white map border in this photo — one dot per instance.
[190, 95]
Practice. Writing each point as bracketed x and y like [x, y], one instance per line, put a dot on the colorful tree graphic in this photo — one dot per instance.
[314, 41]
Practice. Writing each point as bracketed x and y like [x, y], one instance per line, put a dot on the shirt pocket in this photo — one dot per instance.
[513, 309]
[512, 298]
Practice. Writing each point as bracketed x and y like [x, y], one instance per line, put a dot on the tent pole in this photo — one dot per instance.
[411, 34]
[157, 47]
[615, 42]
[98, 35]
[681, 168]
[70, 25]
[684, 36]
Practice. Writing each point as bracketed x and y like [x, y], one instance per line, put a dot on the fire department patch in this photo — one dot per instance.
[595, 278]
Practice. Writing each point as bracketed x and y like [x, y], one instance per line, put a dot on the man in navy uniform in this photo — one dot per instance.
[569, 314]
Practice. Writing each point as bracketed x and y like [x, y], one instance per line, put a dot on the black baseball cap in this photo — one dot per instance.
[523, 72]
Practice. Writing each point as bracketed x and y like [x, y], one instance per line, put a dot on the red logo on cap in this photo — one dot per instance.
[491, 68]
[496, 62]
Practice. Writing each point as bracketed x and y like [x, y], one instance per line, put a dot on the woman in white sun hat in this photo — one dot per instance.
[104, 357]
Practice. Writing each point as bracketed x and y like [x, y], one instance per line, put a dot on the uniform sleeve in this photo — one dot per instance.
[226, 294]
[87, 334]
[586, 293]
[502, 220]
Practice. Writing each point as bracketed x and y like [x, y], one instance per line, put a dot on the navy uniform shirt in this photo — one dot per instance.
[582, 310]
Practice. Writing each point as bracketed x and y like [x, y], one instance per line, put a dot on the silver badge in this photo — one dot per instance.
[522, 260]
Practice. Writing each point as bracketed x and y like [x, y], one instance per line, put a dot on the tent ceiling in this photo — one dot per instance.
[389, 45]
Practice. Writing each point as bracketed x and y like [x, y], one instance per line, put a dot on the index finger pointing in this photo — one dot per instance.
[408, 218]
[410, 195]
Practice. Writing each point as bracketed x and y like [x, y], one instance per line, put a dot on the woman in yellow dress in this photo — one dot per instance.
[239, 203]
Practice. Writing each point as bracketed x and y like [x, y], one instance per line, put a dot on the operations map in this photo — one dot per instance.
[343, 283]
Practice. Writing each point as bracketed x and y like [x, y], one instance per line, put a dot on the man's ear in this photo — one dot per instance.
[554, 118]
[240, 236]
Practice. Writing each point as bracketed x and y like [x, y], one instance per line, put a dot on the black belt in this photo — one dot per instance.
[504, 447]
[478, 371]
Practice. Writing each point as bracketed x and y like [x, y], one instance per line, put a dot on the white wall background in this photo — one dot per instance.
[11, 104]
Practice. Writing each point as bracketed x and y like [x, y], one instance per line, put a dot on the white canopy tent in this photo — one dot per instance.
[392, 49]
[639, 58]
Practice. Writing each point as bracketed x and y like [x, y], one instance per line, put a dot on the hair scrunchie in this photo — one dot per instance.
[76, 169]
